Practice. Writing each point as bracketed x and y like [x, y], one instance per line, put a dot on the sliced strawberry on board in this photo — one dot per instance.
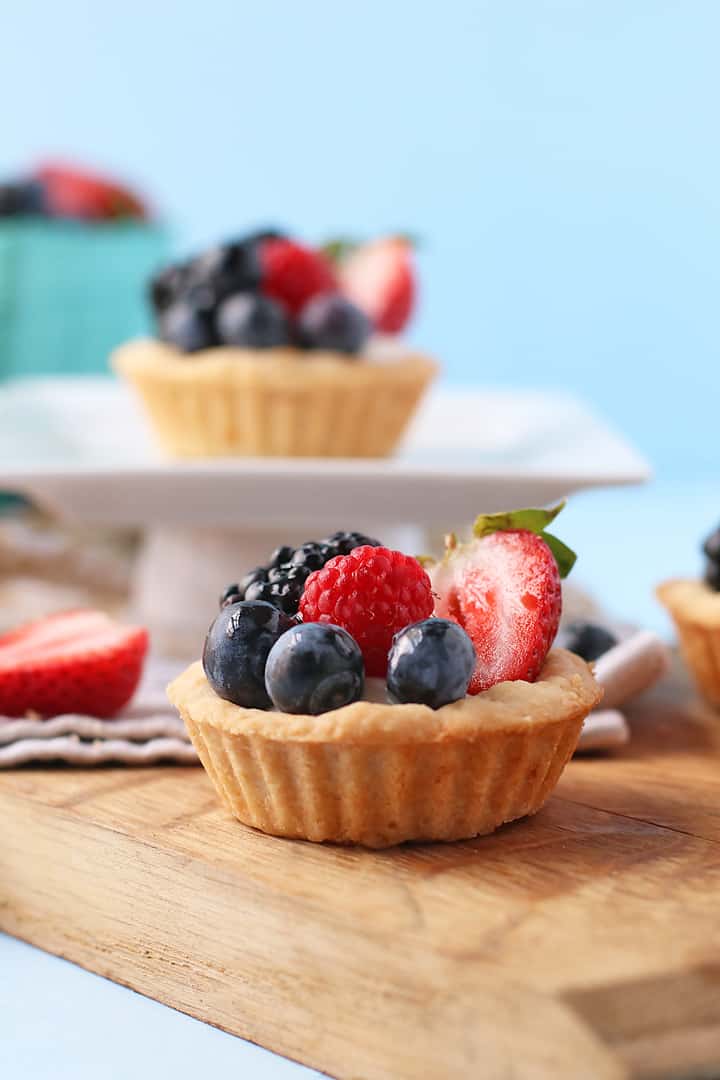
[380, 278]
[504, 589]
[294, 274]
[76, 193]
[74, 662]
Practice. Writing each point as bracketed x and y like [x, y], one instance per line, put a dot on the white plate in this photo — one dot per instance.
[80, 448]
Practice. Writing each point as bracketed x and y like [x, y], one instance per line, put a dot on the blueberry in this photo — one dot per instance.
[712, 576]
[236, 650]
[329, 321]
[187, 327]
[228, 268]
[251, 321]
[711, 547]
[430, 663]
[313, 668]
[588, 639]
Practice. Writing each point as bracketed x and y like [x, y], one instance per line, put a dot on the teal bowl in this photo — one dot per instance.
[71, 292]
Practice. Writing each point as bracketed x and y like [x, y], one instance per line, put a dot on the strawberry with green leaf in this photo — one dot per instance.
[504, 588]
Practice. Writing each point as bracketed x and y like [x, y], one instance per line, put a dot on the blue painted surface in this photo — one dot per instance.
[58, 1022]
[559, 160]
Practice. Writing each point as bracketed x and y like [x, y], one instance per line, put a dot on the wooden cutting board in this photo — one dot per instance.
[582, 943]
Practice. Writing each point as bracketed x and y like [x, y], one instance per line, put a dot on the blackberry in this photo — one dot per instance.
[281, 581]
[345, 542]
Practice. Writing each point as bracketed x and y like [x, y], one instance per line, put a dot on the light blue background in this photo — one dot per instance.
[560, 161]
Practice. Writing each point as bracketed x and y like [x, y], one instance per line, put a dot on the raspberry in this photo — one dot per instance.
[293, 274]
[372, 593]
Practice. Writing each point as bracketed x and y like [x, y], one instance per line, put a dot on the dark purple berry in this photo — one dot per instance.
[430, 663]
[712, 576]
[313, 668]
[228, 268]
[711, 547]
[331, 322]
[236, 650]
[22, 197]
[186, 327]
[167, 286]
[251, 321]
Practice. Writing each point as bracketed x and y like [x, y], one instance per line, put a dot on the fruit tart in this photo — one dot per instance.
[268, 347]
[349, 693]
[694, 605]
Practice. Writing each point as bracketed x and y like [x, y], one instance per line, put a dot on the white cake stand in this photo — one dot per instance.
[78, 448]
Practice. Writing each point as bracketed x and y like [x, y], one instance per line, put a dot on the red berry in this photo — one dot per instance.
[372, 593]
[76, 193]
[293, 274]
[75, 662]
[504, 589]
[379, 277]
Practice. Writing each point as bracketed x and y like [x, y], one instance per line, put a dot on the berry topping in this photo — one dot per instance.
[226, 269]
[22, 197]
[588, 639]
[313, 668]
[504, 588]
[372, 593]
[251, 321]
[236, 649]
[167, 286]
[78, 193]
[711, 547]
[329, 321]
[293, 274]
[430, 663]
[74, 662]
[282, 580]
[712, 576]
[379, 277]
[187, 327]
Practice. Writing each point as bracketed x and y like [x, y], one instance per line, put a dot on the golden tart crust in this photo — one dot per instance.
[695, 610]
[378, 775]
[280, 402]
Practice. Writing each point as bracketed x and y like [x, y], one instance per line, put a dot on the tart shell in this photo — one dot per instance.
[695, 610]
[281, 402]
[378, 775]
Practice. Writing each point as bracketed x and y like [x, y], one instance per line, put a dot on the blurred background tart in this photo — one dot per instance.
[267, 347]
[694, 605]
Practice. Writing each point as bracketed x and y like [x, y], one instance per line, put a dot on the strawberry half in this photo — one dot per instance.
[75, 662]
[380, 278]
[504, 589]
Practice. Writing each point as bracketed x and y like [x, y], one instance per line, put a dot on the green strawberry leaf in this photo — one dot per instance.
[339, 247]
[534, 520]
[564, 556]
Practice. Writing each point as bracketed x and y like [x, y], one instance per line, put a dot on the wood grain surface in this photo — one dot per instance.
[584, 942]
